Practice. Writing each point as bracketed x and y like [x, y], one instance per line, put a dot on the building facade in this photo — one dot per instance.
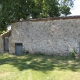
[57, 36]
[48, 36]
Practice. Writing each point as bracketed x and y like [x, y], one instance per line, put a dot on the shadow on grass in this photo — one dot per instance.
[40, 62]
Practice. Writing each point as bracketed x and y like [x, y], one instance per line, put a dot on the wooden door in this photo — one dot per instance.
[6, 44]
[18, 48]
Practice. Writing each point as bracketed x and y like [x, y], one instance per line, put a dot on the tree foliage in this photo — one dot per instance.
[14, 10]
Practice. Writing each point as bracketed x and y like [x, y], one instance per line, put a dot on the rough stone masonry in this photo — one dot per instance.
[49, 36]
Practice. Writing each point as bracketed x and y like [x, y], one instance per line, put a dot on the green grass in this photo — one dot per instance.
[38, 67]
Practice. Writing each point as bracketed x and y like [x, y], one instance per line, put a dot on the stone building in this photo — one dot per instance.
[57, 36]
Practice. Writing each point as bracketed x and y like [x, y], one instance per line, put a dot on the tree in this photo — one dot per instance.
[14, 10]
[65, 6]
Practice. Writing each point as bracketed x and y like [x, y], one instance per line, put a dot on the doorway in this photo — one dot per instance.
[18, 48]
[6, 44]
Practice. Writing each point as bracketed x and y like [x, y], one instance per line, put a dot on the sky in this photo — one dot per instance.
[76, 9]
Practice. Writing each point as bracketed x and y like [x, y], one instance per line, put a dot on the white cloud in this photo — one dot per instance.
[76, 9]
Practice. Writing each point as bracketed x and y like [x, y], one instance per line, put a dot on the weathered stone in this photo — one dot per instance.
[56, 36]
[1, 45]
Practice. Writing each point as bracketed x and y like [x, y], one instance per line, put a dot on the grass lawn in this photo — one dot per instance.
[38, 67]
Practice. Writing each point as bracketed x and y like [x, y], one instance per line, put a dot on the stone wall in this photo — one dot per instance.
[1, 45]
[48, 36]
